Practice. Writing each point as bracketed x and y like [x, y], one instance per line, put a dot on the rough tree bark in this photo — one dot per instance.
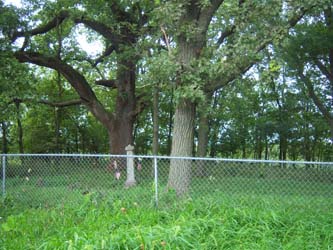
[189, 49]
[182, 145]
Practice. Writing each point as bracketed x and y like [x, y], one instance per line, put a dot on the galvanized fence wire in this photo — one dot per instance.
[49, 180]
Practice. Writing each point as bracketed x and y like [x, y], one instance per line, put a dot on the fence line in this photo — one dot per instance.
[53, 178]
[174, 157]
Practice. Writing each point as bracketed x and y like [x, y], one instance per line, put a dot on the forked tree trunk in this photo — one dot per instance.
[182, 145]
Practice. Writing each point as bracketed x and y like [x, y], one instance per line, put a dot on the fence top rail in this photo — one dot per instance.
[169, 158]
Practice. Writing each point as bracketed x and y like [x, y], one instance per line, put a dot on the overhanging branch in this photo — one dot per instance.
[56, 21]
[75, 78]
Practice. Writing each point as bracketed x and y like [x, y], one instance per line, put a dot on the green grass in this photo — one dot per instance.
[223, 222]
[86, 208]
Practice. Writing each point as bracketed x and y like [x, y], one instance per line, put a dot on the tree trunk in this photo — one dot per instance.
[121, 126]
[213, 143]
[155, 121]
[283, 148]
[57, 129]
[170, 124]
[266, 148]
[203, 135]
[120, 135]
[4, 138]
[189, 49]
[19, 128]
[182, 145]
[203, 131]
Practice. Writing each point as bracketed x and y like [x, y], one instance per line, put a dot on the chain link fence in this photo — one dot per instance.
[49, 180]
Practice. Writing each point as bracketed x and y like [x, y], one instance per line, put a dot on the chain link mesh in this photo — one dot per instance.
[49, 180]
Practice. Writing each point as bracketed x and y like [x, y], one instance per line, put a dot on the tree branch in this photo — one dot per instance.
[207, 14]
[77, 81]
[324, 70]
[67, 103]
[61, 104]
[103, 30]
[107, 83]
[323, 109]
[106, 53]
[228, 32]
[56, 21]
[229, 75]
[166, 40]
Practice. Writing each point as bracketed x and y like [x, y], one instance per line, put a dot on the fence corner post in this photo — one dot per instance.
[156, 181]
[3, 176]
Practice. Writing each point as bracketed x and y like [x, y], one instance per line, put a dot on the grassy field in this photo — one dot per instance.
[84, 207]
[220, 222]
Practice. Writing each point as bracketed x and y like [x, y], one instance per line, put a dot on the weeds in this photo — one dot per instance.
[214, 223]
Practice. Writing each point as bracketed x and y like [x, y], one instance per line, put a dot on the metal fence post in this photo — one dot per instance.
[3, 176]
[156, 181]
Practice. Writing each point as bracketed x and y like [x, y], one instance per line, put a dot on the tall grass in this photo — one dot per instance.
[82, 206]
[223, 222]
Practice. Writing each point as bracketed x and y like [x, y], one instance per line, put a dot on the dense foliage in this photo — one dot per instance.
[260, 83]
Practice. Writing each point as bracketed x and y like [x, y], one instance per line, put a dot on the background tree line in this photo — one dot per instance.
[219, 78]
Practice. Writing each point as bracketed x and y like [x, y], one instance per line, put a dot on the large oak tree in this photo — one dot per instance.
[209, 59]
[121, 26]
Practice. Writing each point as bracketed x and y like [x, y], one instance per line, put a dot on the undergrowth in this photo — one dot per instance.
[220, 222]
